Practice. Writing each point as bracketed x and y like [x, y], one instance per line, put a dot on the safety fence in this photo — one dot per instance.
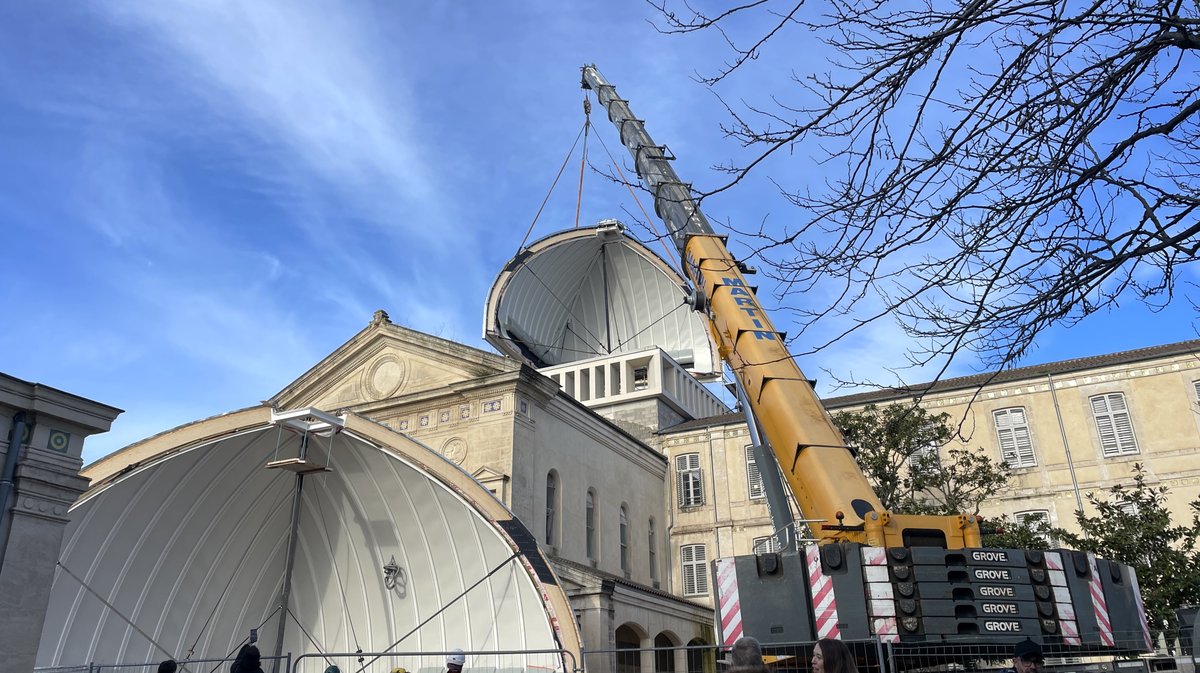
[1172, 655]
[281, 663]
[493, 661]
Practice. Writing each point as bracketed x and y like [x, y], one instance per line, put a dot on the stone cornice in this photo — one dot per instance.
[86, 415]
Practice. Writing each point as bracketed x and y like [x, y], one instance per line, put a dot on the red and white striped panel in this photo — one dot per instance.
[1099, 604]
[729, 612]
[1068, 627]
[874, 556]
[1070, 632]
[1137, 594]
[885, 629]
[824, 605]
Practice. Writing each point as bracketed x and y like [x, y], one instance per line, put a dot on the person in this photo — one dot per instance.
[168, 666]
[832, 656]
[1027, 657]
[248, 660]
[455, 661]
[333, 668]
[746, 657]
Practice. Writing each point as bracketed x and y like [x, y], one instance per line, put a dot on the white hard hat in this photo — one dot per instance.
[456, 657]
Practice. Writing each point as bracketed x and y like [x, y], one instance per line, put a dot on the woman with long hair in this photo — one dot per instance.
[832, 656]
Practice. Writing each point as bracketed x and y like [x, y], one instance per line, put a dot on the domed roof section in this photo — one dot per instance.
[590, 292]
[186, 537]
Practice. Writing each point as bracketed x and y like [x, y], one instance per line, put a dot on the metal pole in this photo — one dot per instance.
[285, 594]
[1066, 445]
[15, 436]
[772, 478]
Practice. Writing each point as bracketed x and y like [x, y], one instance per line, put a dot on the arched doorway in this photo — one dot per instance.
[664, 654]
[700, 660]
[629, 655]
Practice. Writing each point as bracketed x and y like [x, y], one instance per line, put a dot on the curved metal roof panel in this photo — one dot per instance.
[590, 292]
[186, 537]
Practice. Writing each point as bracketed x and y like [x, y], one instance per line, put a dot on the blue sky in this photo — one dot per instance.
[200, 200]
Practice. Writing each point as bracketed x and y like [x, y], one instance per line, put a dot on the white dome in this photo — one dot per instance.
[590, 292]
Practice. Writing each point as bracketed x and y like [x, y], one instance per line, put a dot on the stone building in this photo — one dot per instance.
[588, 490]
[1067, 428]
[37, 487]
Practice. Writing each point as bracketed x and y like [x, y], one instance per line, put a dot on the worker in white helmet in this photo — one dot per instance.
[455, 661]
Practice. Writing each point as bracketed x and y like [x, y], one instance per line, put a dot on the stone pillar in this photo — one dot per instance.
[681, 660]
[647, 659]
[44, 485]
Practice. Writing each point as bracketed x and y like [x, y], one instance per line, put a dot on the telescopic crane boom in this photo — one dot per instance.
[819, 468]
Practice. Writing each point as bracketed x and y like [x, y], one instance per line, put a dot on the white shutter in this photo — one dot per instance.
[1114, 427]
[753, 475]
[1012, 431]
[693, 560]
[695, 569]
[689, 484]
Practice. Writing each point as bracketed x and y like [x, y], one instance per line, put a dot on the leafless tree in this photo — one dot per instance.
[994, 167]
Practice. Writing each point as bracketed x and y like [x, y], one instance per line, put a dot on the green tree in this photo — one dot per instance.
[1133, 526]
[1004, 531]
[898, 449]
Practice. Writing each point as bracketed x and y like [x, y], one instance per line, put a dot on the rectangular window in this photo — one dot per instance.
[1034, 517]
[1113, 425]
[694, 560]
[689, 480]
[921, 457]
[753, 476]
[764, 545]
[1012, 429]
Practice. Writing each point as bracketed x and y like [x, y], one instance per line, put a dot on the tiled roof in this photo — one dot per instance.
[1018, 374]
[974, 381]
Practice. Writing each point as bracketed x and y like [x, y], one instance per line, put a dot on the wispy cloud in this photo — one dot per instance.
[303, 75]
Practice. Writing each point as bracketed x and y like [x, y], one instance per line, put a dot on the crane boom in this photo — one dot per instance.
[819, 468]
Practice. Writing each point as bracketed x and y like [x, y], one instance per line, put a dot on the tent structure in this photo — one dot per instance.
[184, 543]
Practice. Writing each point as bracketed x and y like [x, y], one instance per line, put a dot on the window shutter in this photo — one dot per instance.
[695, 569]
[753, 475]
[1114, 427]
[1012, 431]
[688, 480]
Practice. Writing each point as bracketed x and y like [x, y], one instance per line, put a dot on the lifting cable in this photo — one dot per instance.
[587, 124]
[552, 185]
[233, 575]
[114, 609]
[238, 646]
[337, 574]
[440, 610]
[320, 649]
[672, 256]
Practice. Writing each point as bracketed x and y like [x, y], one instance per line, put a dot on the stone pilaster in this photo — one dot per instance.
[45, 482]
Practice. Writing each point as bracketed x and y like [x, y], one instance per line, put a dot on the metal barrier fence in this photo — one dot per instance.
[781, 658]
[214, 665]
[492, 661]
[871, 656]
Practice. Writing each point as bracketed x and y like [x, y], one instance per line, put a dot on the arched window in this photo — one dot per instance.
[624, 539]
[591, 524]
[551, 506]
[651, 543]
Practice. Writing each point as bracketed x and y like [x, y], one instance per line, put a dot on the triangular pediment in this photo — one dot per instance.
[485, 474]
[387, 361]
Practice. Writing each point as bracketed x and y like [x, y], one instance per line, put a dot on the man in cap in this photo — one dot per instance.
[1027, 657]
[455, 661]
